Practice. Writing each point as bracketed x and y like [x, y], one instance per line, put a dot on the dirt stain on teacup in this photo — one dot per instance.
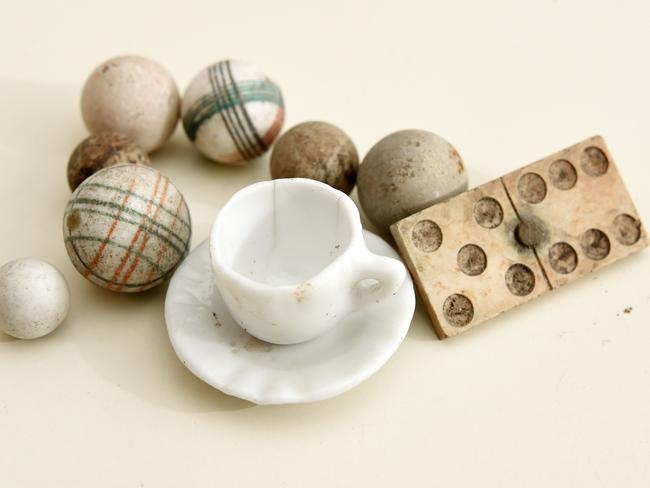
[300, 293]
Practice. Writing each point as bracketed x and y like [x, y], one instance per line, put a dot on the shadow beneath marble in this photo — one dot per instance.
[6, 338]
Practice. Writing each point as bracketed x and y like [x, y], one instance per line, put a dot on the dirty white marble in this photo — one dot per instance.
[34, 298]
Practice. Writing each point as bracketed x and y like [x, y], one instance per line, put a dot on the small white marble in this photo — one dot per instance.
[34, 298]
[216, 349]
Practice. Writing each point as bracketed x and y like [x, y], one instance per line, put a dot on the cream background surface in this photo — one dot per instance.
[556, 393]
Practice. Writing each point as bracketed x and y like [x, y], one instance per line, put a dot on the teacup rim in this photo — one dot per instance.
[355, 234]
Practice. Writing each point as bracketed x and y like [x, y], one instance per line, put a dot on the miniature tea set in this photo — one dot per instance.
[289, 299]
[217, 349]
[298, 307]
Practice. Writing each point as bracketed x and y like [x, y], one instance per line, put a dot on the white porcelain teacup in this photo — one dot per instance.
[290, 262]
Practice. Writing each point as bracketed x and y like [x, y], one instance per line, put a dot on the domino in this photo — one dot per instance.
[512, 239]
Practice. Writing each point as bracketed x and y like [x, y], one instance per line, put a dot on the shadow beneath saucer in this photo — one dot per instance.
[125, 340]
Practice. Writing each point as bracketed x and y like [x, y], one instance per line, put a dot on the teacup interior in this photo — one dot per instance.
[284, 232]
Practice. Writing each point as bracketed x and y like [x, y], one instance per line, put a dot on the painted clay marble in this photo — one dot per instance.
[126, 228]
[215, 348]
[407, 171]
[319, 151]
[34, 298]
[289, 259]
[134, 96]
[232, 112]
[101, 151]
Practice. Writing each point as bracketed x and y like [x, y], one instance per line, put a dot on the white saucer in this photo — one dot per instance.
[217, 350]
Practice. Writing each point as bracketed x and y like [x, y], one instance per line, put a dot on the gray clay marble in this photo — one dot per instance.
[407, 171]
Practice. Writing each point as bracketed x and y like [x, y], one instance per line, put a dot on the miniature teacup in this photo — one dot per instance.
[290, 261]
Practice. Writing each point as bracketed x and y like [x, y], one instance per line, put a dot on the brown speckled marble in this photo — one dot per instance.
[101, 151]
[316, 150]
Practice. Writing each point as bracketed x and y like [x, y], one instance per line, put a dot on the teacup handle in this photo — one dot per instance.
[389, 272]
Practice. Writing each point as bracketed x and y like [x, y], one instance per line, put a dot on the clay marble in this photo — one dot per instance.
[101, 151]
[126, 228]
[134, 96]
[407, 171]
[319, 151]
[34, 298]
[232, 112]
